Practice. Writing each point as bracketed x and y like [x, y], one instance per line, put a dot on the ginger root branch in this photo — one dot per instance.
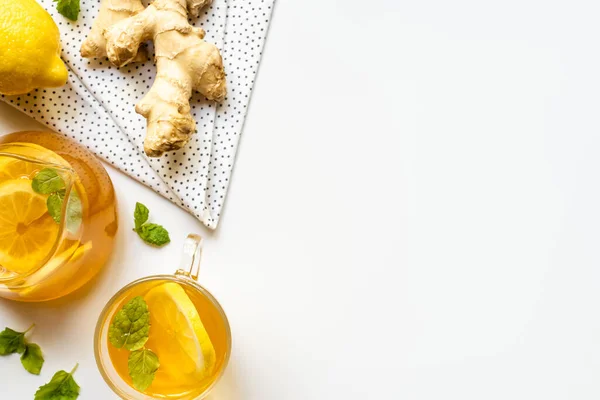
[184, 63]
[111, 11]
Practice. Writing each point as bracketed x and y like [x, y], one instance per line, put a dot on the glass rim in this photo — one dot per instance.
[107, 307]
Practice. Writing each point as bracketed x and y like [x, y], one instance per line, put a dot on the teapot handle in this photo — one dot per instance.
[192, 254]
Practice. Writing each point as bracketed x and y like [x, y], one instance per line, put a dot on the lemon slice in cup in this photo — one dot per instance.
[176, 325]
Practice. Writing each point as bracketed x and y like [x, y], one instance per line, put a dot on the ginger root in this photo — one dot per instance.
[111, 11]
[184, 62]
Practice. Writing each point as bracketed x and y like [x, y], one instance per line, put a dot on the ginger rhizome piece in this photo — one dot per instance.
[184, 62]
[111, 11]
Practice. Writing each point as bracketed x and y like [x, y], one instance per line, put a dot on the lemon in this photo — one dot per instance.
[29, 48]
[186, 349]
[13, 168]
[72, 254]
[27, 231]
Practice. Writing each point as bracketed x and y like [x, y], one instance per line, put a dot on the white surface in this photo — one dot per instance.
[431, 230]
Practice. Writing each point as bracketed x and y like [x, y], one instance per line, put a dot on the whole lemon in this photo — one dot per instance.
[29, 48]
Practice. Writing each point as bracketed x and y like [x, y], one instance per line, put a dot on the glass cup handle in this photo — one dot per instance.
[190, 260]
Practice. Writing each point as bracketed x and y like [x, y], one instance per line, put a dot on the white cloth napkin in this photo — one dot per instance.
[96, 107]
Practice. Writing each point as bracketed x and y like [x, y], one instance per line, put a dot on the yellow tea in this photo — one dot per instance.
[188, 334]
[57, 216]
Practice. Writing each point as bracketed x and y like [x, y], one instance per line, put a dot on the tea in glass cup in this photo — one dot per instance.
[164, 336]
[58, 216]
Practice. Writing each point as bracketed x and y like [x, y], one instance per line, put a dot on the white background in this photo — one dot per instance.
[414, 214]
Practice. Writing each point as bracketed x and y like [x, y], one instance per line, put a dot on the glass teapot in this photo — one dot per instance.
[57, 216]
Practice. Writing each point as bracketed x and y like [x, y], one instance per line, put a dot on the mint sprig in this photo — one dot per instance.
[32, 359]
[143, 364]
[140, 215]
[150, 233]
[131, 325]
[49, 182]
[68, 8]
[12, 341]
[62, 386]
[54, 204]
[130, 329]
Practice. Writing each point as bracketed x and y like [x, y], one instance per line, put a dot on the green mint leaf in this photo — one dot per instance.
[74, 209]
[54, 204]
[74, 212]
[140, 215]
[62, 386]
[150, 233]
[130, 327]
[68, 8]
[154, 234]
[47, 181]
[143, 365]
[12, 341]
[32, 359]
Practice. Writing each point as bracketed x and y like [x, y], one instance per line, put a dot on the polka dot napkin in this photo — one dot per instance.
[96, 107]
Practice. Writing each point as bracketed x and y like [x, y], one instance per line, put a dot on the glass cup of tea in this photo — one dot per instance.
[164, 336]
[58, 216]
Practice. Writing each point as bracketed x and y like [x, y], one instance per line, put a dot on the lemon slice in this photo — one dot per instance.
[27, 231]
[73, 254]
[185, 346]
[13, 168]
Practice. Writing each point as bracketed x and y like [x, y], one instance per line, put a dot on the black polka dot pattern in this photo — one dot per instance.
[96, 107]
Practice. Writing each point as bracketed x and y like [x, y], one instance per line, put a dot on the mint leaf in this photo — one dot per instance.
[74, 209]
[131, 325]
[150, 233]
[12, 341]
[140, 215]
[154, 234]
[54, 204]
[47, 181]
[74, 212]
[68, 8]
[143, 365]
[32, 359]
[62, 386]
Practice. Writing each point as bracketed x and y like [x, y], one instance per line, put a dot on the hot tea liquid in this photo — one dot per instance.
[187, 333]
